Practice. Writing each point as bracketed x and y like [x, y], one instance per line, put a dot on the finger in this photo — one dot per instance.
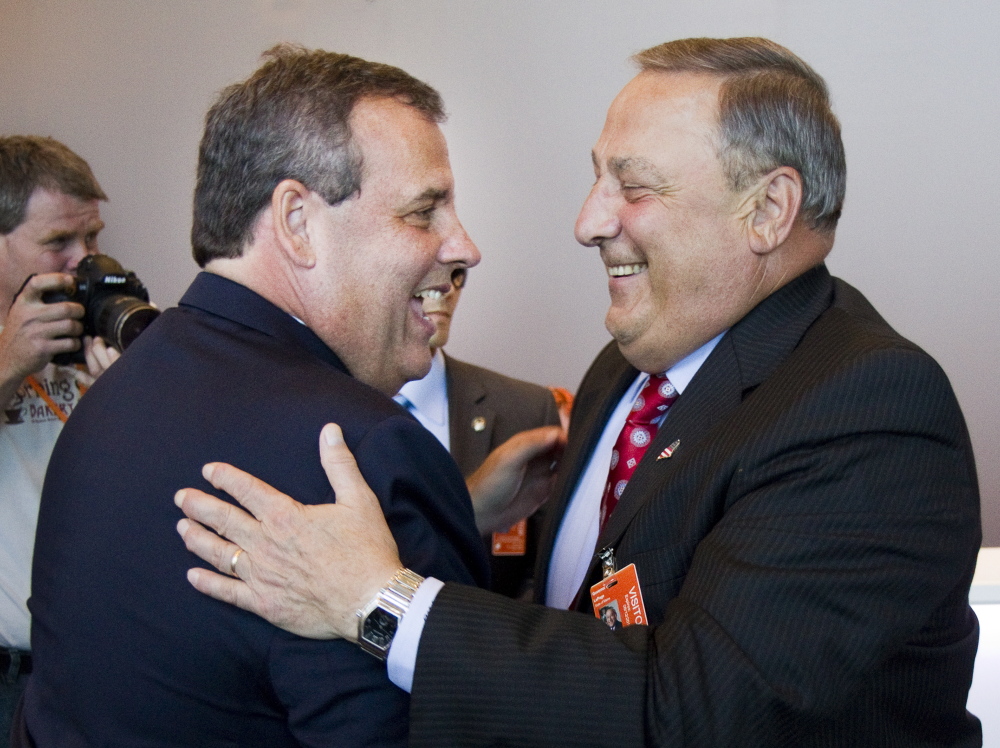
[534, 442]
[93, 366]
[224, 588]
[39, 284]
[341, 469]
[63, 311]
[227, 520]
[207, 546]
[260, 499]
[111, 355]
[98, 354]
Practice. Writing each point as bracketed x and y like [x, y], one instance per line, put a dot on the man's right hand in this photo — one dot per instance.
[34, 331]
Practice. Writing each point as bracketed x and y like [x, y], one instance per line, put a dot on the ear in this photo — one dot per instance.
[290, 214]
[777, 199]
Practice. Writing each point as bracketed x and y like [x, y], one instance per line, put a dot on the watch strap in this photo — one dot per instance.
[393, 599]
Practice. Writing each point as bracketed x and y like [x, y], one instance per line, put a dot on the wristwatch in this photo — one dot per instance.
[379, 619]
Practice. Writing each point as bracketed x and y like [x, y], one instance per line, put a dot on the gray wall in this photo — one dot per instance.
[126, 84]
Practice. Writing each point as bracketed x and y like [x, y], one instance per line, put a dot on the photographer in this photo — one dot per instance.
[49, 221]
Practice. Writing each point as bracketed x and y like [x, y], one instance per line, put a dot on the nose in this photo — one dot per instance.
[458, 248]
[80, 249]
[597, 220]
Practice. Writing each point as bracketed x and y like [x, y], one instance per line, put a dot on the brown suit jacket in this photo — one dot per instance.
[485, 409]
[805, 557]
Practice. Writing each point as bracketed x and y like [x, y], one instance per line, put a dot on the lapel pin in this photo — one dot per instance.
[478, 423]
[669, 451]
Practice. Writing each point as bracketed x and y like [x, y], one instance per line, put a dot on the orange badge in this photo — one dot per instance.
[514, 542]
[618, 599]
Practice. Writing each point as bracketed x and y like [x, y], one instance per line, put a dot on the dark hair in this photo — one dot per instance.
[774, 110]
[28, 162]
[289, 120]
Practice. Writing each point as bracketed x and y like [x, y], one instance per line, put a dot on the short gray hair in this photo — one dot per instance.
[289, 120]
[774, 110]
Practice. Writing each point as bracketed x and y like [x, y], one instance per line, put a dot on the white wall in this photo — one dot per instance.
[126, 84]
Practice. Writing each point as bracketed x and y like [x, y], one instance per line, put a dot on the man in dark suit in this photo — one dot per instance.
[803, 523]
[472, 411]
[309, 311]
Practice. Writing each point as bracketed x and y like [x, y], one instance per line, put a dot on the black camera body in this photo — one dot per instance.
[116, 304]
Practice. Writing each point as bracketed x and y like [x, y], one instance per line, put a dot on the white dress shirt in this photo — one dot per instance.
[575, 543]
[427, 400]
[577, 538]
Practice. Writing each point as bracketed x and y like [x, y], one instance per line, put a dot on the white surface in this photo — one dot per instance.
[984, 697]
[527, 83]
[986, 582]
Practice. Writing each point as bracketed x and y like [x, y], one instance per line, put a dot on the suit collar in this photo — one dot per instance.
[471, 418]
[472, 388]
[769, 333]
[230, 300]
[745, 357]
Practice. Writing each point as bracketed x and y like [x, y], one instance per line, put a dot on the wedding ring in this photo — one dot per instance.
[232, 563]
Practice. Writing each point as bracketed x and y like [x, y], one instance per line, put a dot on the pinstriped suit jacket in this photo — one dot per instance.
[805, 557]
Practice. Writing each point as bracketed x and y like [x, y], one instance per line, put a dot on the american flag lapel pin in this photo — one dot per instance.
[668, 452]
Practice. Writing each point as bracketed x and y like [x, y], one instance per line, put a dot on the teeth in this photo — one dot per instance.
[617, 271]
[430, 293]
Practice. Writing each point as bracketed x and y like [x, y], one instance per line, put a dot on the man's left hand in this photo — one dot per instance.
[98, 355]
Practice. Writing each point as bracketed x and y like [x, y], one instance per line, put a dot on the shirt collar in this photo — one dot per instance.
[430, 394]
[681, 373]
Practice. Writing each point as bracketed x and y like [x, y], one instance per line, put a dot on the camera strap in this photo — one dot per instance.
[37, 387]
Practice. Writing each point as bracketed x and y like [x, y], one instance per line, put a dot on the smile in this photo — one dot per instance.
[430, 293]
[618, 271]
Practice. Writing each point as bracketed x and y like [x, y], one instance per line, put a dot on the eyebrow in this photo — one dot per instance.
[431, 194]
[637, 166]
[57, 235]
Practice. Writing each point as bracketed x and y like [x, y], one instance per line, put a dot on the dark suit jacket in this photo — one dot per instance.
[506, 406]
[805, 557]
[126, 651]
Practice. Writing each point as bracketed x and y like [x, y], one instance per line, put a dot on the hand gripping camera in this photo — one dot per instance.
[116, 304]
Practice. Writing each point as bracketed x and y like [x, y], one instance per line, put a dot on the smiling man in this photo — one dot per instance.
[324, 211]
[787, 481]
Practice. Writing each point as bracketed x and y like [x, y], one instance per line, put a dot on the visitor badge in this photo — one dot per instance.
[514, 542]
[618, 599]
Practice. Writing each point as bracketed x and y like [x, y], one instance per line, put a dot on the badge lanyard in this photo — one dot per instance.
[37, 387]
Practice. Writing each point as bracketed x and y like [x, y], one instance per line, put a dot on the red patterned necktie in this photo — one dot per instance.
[652, 403]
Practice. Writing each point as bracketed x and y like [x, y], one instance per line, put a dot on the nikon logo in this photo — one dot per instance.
[114, 279]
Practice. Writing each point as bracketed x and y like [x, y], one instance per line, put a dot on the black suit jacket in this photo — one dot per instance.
[805, 557]
[501, 407]
[126, 651]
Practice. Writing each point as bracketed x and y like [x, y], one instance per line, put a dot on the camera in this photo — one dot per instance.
[116, 304]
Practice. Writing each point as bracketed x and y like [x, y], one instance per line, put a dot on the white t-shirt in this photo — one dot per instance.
[28, 432]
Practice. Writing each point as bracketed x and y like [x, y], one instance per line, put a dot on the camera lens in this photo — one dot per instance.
[119, 319]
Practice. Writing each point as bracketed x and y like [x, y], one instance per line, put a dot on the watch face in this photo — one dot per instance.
[379, 628]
